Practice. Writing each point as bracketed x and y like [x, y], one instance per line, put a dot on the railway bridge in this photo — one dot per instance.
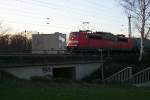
[72, 66]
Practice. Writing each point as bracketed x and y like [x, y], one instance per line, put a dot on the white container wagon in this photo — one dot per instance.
[49, 43]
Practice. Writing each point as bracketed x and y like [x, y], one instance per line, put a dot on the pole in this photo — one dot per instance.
[129, 21]
[102, 69]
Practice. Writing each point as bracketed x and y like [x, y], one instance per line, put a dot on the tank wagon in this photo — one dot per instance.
[136, 44]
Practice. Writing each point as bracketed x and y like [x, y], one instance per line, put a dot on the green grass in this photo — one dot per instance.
[15, 89]
[26, 90]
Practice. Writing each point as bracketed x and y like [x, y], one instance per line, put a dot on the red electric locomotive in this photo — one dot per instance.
[87, 40]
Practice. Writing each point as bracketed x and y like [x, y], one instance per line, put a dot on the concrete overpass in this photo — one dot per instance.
[21, 60]
[69, 66]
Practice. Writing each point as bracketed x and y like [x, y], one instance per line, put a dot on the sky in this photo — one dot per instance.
[49, 16]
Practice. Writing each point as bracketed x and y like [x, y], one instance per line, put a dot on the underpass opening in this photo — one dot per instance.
[64, 73]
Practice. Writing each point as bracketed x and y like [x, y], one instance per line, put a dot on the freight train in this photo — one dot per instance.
[93, 41]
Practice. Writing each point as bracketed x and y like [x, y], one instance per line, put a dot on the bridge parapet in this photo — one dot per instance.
[21, 60]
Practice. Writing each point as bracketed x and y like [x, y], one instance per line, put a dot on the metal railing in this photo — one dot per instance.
[120, 76]
[140, 77]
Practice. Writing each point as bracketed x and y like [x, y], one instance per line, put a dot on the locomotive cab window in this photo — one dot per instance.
[123, 40]
[74, 34]
[94, 37]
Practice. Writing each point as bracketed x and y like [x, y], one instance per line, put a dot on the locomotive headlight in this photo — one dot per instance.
[75, 41]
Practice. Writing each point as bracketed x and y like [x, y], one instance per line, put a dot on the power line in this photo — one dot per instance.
[66, 14]
[22, 11]
[43, 5]
[72, 8]
[78, 11]
[37, 24]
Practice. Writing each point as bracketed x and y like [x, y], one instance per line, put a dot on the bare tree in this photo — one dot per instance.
[140, 11]
[4, 42]
[4, 29]
[20, 43]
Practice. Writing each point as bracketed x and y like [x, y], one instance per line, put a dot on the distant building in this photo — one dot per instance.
[48, 43]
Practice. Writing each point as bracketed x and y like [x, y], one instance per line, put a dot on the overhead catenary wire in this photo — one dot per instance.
[79, 14]
[37, 14]
[41, 25]
[44, 4]
[75, 11]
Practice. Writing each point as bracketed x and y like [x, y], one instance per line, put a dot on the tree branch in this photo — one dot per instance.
[147, 33]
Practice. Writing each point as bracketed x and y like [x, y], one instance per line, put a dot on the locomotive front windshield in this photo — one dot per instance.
[74, 34]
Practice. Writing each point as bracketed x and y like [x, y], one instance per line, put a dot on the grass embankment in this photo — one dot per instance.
[15, 89]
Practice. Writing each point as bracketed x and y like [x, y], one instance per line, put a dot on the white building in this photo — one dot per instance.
[49, 43]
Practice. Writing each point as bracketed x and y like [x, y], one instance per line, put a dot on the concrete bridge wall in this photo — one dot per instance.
[79, 71]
